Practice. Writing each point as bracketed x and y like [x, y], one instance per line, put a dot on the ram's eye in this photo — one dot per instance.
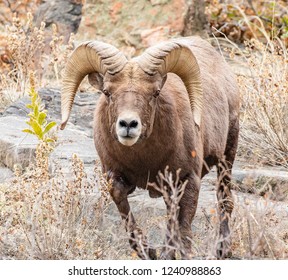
[157, 92]
[106, 92]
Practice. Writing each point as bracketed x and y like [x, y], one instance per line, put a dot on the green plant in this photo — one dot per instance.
[39, 126]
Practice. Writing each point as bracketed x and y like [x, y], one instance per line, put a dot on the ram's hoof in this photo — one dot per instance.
[149, 254]
[152, 254]
[167, 254]
[223, 250]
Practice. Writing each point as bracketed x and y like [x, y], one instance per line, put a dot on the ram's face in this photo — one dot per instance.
[131, 97]
[131, 87]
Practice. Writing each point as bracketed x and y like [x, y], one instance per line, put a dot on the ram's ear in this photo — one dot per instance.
[96, 80]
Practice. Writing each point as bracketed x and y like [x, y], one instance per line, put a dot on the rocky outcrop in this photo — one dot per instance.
[5, 174]
[133, 24]
[19, 148]
[81, 115]
[66, 15]
[16, 147]
[195, 21]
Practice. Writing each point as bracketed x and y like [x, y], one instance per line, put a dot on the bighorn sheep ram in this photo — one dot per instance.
[175, 105]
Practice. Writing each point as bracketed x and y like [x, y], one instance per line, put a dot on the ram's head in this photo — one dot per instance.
[131, 88]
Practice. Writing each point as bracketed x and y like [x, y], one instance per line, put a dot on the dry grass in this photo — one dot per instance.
[10, 8]
[242, 20]
[53, 218]
[272, 188]
[264, 84]
[259, 227]
[30, 49]
[258, 230]
[71, 217]
[265, 103]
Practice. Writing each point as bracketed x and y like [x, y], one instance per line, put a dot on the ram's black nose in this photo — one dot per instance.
[127, 124]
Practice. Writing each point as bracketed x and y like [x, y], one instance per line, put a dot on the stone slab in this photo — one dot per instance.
[5, 174]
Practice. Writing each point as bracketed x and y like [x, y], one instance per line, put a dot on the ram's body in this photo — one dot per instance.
[175, 135]
[171, 135]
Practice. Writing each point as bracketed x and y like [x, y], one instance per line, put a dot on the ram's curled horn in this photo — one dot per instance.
[176, 57]
[89, 57]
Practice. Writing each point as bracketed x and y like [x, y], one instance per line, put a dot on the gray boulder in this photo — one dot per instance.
[19, 148]
[5, 174]
[16, 146]
[82, 111]
[66, 15]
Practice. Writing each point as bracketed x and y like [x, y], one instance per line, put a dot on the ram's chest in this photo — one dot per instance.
[139, 166]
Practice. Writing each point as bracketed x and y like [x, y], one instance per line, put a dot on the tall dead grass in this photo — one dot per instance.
[44, 217]
[30, 49]
[264, 84]
[264, 125]
[71, 217]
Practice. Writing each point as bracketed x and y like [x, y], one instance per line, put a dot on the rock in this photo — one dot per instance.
[5, 173]
[16, 146]
[154, 35]
[262, 181]
[66, 15]
[240, 174]
[117, 20]
[74, 141]
[208, 202]
[19, 148]
[82, 111]
[18, 108]
[158, 2]
[195, 22]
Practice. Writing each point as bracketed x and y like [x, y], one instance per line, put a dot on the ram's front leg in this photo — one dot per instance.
[188, 206]
[179, 233]
[119, 193]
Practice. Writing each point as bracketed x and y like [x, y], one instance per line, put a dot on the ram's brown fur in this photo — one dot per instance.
[175, 140]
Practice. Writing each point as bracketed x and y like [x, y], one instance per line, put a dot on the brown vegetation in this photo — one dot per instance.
[25, 51]
[265, 103]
